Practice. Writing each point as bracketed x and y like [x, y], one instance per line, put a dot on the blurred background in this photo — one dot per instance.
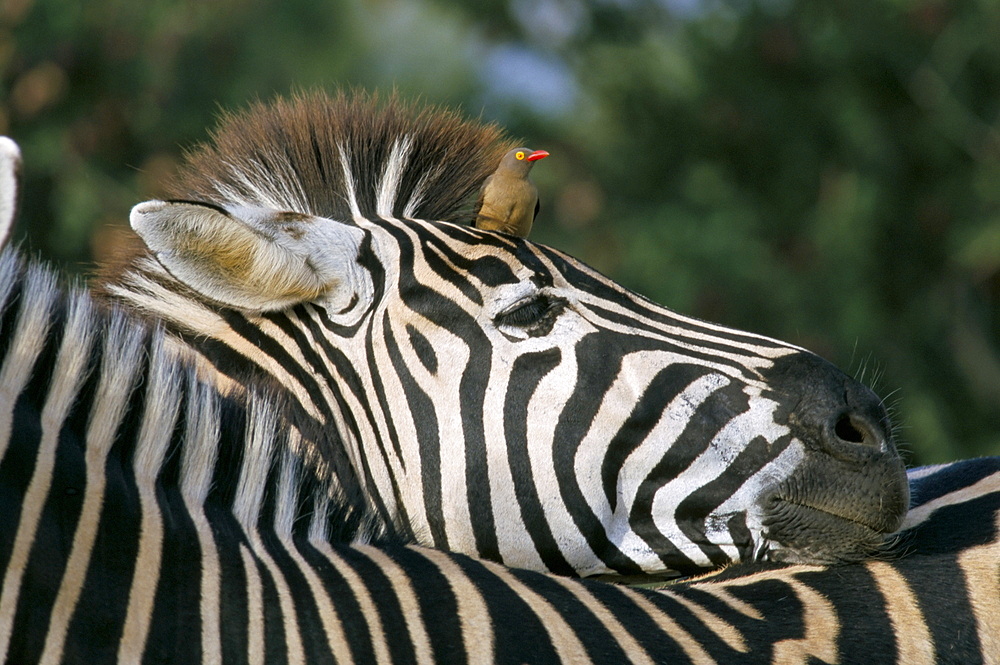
[825, 173]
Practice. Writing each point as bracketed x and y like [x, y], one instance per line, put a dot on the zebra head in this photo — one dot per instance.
[495, 396]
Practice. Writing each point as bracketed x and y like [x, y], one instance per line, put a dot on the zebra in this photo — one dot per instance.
[493, 396]
[146, 517]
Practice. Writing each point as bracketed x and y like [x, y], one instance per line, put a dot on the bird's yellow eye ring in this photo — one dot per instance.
[519, 155]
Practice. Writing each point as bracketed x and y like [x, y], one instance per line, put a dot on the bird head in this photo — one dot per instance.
[520, 160]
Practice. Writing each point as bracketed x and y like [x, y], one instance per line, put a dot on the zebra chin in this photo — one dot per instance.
[825, 514]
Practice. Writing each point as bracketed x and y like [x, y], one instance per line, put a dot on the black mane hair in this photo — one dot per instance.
[292, 153]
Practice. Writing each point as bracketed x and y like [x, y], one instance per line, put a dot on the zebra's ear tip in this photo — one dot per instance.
[144, 209]
[154, 215]
[9, 150]
[10, 175]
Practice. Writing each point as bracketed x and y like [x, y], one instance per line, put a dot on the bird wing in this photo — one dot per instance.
[482, 196]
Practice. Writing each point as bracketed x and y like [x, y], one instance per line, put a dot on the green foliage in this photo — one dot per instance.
[826, 173]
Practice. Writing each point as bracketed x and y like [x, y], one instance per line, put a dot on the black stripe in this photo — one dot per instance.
[950, 478]
[116, 544]
[438, 605]
[422, 349]
[699, 432]
[519, 635]
[9, 308]
[432, 250]
[275, 639]
[351, 381]
[671, 342]
[252, 333]
[594, 636]
[661, 646]
[861, 611]
[475, 377]
[528, 370]
[425, 422]
[692, 511]
[574, 271]
[344, 598]
[666, 386]
[386, 604]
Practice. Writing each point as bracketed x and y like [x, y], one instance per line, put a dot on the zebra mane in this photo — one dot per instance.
[240, 448]
[344, 156]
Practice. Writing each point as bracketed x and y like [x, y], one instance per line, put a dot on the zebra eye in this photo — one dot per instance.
[537, 310]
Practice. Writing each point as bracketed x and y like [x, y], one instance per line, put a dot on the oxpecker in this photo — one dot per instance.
[509, 201]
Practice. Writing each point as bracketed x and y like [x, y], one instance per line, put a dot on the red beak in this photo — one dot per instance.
[538, 154]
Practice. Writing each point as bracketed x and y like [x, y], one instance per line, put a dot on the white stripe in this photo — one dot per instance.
[640, 463]
[10, 167]
[408, 603]
[563, 637]
[68, 374]
[478, 636]
[369, 610]
[352, 198]
[914, 643]
[257, 460]
[692, 648]
[924, 471]
[158, 421]
[395, 166]
[30, 332]
[255, 609]
[979, 570]
[201, 440]
[121, 356]
[417, 195]
[727, 632]
[333, 625]
[922, 513]
[633, 650]
[10, 266]
[769, 347]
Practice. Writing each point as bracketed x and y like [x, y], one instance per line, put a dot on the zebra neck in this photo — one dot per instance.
[237, 352]
[99, 387]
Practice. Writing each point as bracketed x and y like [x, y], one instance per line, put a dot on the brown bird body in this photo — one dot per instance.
[508, 201]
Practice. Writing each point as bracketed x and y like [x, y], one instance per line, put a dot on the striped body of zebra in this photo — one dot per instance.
[493, 396]
[144, 518]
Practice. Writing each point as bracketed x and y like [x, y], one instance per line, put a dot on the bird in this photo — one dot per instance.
[508, 201]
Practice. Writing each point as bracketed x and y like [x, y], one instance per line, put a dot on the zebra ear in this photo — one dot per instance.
[10, 171]
[255, 259]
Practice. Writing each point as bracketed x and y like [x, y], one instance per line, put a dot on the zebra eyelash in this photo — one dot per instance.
[532, 312]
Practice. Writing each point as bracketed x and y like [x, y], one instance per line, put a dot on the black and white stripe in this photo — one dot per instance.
[494, 396]
[146, 518]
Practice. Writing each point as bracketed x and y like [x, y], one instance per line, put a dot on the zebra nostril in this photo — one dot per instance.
[851, 428]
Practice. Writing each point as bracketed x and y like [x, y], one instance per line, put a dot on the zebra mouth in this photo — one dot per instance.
[832, 510]
[807, 533]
